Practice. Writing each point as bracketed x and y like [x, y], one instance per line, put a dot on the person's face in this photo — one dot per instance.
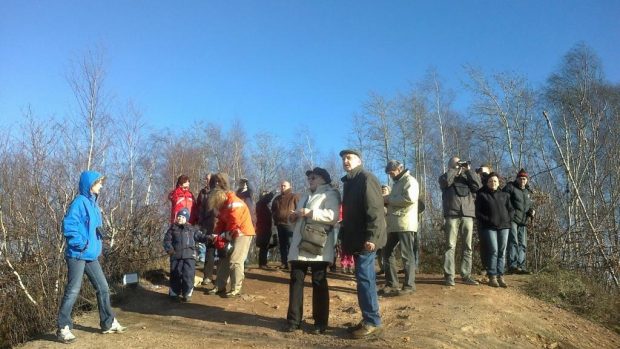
[185, 186]
[181, 219]
[207, 179]
[96, 188]
[284, 186]
[454, 162]
[243, 186]
[350, 162]
[394, 173]
[493, 183]
[385, 191]
[314, 181]
[522, 181]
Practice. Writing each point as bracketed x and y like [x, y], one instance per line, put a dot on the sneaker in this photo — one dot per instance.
[366, 331]
[354, 328]
[232, 294]
[405, 291]
[493, 281]
[186, 299]
[449, 280]
[116, 328]
[469, 281]
[501, 282]
[387, 291]
[206, 282]
[522, 272]
[64, 335]
[215, 291]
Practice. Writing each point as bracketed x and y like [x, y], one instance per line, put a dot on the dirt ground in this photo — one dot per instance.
[435, 316]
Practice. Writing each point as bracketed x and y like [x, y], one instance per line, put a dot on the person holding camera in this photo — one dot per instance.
[458, 189]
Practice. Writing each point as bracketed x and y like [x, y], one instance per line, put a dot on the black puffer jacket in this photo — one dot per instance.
[363, 216]
[521, 201]
[182, 240]
[493, 209]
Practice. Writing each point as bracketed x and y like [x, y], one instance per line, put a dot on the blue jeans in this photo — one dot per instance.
[76, 271]
[495, 241]
[367, 288]
[517, 246]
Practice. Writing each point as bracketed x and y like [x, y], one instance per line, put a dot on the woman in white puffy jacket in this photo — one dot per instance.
[318, 209]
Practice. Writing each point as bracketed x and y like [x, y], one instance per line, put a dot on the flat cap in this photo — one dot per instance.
[351, 151]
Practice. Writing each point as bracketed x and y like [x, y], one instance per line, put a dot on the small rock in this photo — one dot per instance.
[553, 345]
[276, 307]
[403, 316]
[406, 339]
[144, 327]
[350, 310]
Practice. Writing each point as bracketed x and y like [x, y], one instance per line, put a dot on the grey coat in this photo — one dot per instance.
[458, 192]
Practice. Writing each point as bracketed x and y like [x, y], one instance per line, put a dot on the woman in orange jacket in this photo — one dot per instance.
[234, 226]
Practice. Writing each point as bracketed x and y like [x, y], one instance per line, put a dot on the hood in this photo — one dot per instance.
[87, 179]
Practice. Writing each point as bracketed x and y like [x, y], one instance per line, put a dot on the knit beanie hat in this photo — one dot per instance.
[184, 212]
[522, 173]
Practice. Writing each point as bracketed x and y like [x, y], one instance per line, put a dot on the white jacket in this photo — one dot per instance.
[325, 205]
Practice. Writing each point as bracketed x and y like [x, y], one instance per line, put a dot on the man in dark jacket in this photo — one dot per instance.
[519, 191]
[458, 188]
[362, 233]
[281, 209]
[263, 227]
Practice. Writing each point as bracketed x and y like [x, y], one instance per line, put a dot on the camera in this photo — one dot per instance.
[463, 163]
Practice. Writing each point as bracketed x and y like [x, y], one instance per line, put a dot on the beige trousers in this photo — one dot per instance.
[232, 266]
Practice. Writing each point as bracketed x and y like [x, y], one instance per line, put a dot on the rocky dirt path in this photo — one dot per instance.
[435, 316]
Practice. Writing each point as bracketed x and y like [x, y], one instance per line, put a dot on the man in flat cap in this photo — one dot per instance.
[362, 234]
[402, 225]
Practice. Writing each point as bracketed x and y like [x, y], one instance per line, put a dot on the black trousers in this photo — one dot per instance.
[320, 293]
[182, 272]
[262, 255]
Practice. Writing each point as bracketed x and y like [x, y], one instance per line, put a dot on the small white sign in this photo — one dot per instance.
[130, 278]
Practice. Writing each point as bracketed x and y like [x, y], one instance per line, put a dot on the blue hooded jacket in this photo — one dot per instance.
[82, 220]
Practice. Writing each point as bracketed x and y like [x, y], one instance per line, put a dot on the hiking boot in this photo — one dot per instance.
[290, 327]
[115, 328]
[366, 331]
[501, 282]
[493, 281]
[469, 281]
[317, 329]
[64, 335]
[186, 299]
[448, 280]
[522, 272]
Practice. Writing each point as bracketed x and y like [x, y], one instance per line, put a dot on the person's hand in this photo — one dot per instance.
[369, 246]
[234, 233]
[304, 212]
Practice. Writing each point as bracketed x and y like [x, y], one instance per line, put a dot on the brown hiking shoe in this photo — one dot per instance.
[501, 282]
[493, 281]
[366, 331]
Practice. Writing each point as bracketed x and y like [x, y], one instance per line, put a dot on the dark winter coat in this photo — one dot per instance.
[363, 216]
[182, 240]
[246, 196]
[282, 207]
[458, 192]
[263, 220]
[521, 201]
[493, 209]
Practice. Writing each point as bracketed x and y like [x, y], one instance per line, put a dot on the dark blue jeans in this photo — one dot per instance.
[285, 234]
[76, 271]
[517, 246]
[367, 288]
[495, 241]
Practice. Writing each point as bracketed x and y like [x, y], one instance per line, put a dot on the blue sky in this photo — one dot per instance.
[282, 65]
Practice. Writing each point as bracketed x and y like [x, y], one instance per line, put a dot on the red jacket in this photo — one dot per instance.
[234, 215]
[180, 199]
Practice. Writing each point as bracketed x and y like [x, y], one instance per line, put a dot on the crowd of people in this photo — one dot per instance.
[365, 224]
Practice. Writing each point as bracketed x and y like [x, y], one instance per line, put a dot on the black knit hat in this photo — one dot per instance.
[320, 172]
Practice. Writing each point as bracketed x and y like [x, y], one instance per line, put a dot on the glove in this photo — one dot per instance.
[219, 242]
[235, 233]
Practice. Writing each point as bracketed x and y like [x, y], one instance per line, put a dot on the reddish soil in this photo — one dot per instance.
[435, 316]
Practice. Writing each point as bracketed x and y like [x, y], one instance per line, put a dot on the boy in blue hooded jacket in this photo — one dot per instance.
[84, 244]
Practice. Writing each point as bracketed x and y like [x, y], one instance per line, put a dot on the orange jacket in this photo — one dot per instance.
[234, 215]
